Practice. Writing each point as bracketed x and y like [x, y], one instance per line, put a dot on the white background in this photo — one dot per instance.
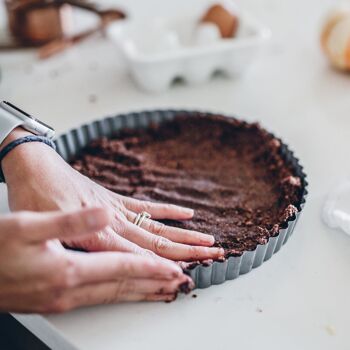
[300, 298]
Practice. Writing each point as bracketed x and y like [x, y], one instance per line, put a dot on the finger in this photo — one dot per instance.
[149, 286]
[110, 266]
[84, 296]
[105, 293]
[159, 210]
[168, 249]
[37, 227]
[99, 293]
[109, 240]
[175, 234]
[106, 240]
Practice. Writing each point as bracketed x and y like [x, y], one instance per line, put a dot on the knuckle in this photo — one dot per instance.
[67, 276]
[193, 251]
[127, 266]
[121, 288]
[120, 225]
[69, 224]
[157, 227]
[93, 242]
[21, 222]
[160, 244]
[122, 209]
[149, 253]
[59, 305]
[146, 206]
[101, 236]
[130, 286]
[129, 216]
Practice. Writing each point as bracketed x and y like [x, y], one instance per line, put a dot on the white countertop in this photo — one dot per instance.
[297, 300]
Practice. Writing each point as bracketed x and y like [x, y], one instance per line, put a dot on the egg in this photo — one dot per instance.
[206, 33]
[223, 18]
[335, 38]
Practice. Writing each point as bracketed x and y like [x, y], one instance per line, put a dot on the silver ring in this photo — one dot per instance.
[140, 217]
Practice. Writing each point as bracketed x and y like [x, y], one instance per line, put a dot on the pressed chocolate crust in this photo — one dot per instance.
[230, 172]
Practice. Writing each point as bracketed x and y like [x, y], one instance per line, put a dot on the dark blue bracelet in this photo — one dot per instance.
[32, 138]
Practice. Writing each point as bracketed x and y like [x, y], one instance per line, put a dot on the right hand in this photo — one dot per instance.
[37, 185]
[38, 275]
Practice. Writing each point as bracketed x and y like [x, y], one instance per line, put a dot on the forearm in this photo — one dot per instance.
[36, 176]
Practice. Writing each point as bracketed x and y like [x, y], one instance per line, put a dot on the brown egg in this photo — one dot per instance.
[335, 38]
[226, 21]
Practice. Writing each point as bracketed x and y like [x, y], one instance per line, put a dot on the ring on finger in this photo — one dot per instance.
[140, 217]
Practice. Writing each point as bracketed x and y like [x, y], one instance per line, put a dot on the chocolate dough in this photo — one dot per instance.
[230, 172]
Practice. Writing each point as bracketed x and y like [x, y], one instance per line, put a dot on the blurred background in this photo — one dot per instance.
[91, 80]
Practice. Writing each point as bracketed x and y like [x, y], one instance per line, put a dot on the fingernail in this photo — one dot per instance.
[191, 283]
[170, 298]
[207, 239]
[186, 287]
[188, 211]
[221, 252]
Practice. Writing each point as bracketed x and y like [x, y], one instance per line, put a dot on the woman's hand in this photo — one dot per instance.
[38, 275]
[39, 179]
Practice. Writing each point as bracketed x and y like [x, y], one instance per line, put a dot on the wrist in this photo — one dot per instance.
[25, 160]
[14, 135]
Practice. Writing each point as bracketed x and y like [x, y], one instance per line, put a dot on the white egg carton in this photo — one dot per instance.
[160, 51]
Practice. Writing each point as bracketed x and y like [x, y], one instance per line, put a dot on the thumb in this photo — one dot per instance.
[37, 227]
